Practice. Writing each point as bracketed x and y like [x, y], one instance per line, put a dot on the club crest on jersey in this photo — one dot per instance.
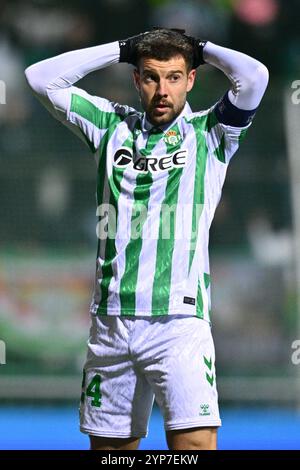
[124, 157]
[172, 138]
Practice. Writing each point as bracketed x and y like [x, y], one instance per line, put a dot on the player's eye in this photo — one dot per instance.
[149, 78]
[174, 78]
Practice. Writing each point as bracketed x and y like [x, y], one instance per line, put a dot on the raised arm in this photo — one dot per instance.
[249, 79]
[51, 80]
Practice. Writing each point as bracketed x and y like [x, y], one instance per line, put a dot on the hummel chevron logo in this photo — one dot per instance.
[210, 379]
[208, 363]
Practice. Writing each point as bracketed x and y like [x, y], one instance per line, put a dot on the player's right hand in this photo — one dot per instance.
[128, 48]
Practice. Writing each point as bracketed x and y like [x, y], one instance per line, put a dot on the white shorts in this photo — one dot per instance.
[131, 361]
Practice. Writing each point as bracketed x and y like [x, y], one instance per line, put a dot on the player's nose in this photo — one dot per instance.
[162, 88]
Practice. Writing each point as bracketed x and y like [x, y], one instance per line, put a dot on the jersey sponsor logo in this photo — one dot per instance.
[124, 157]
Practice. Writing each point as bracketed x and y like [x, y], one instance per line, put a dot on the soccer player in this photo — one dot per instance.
[160, 175]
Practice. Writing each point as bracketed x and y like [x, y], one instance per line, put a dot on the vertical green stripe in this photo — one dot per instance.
[165, 247]
[199, 303]
[211, 120]
[199, 306]
[152, 141]
[199, 190]
[220, 150]
[206, 280]
[199, 124]
[128, 285]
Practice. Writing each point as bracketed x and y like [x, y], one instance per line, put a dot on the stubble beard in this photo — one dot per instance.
[156, 118]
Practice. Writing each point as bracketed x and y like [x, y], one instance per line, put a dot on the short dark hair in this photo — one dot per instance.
[163, 44]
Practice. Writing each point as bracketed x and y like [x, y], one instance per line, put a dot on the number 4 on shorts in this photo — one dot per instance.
[93, 390]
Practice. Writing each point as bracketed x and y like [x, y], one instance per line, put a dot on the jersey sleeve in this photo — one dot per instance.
[90, 117]
[223, 139]
[230, 118]
[52, 82]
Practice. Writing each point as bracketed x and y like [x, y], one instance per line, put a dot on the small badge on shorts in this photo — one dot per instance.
[204, 410]
[189, 300]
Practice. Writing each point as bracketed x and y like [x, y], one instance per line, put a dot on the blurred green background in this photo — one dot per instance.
[48, 211]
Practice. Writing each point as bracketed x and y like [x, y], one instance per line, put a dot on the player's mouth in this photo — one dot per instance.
[162, 106]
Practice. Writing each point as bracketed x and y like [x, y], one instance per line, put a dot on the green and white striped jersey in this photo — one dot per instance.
[157, 191]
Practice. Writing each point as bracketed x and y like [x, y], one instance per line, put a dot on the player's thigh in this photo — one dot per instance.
[108, 443]
[182, 375]
[192, 439]
[116, 400]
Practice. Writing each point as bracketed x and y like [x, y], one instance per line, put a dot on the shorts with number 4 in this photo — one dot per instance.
[132, 360]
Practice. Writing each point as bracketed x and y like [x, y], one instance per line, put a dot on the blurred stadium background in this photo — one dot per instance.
[48, 220]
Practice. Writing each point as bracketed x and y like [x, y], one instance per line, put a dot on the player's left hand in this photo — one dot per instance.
[198, 46]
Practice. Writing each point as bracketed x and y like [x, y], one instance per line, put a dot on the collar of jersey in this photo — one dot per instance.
[148, 127]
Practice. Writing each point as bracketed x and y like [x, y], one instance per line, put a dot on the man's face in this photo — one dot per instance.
[162, 86]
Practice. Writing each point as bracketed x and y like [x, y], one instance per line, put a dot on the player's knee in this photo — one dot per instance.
[107, 443]
[201, 439]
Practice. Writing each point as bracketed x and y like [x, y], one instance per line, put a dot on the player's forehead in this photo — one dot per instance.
[162, 67]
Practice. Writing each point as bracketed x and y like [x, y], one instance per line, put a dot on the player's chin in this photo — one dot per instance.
[163, 117]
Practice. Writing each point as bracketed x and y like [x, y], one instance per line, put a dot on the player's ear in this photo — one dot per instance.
[191, 79]
[136, 79]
